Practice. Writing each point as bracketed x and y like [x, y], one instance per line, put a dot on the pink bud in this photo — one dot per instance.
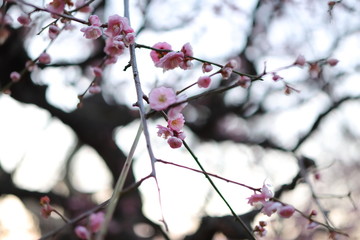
[97, 71]
[300, 61]
[82, 232]
[44, 58]
[332, 62]
[15, 76]
[53, 31]
[276, 77]
[207, 67]
[174, 142]
[286, 211]
[244, 81]
[24, 19]
[204, 81]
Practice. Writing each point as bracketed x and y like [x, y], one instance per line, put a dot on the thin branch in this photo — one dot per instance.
[251, 236]
[210, 174]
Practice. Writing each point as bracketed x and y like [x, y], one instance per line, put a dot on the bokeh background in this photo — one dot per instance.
[249, 135]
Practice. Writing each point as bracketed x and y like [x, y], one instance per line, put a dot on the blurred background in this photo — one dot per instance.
[306, 143]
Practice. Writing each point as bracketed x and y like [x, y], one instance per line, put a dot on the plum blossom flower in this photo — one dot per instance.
[177, 123]
[94, 31]
[170, 61]
[188, 53]
[157, 55]
[91, 32]
[118, 25]
[270, 207]
[164, 131]
[204, 81]
[286, 211]
[114, 46]
[262, 197]
[82, 232]
[161, 98]
[174, 142]
[129, 39]
[94, 20]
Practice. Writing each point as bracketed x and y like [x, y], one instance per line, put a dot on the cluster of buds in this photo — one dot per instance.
[225, 71]
[260, 229]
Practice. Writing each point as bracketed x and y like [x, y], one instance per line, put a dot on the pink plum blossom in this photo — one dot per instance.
[164, 131]
[161, 98]
[82, 232]
[262, 197]
[170, 61]
[204, 81]
[92, 32]
[94, 20]
[129, 39]
[44, 58]
[270, 207]
[15, 76]
[157, 55]
[174, 142]
[53, 31]
[117, 25]
[177, 124]
[286, 211]
[188, 53]
[114, 47]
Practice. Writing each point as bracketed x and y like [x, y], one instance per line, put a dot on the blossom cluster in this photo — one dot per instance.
[268, 205]
[160, 99]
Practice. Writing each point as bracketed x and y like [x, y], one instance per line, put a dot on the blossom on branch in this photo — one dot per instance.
[161, 98]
